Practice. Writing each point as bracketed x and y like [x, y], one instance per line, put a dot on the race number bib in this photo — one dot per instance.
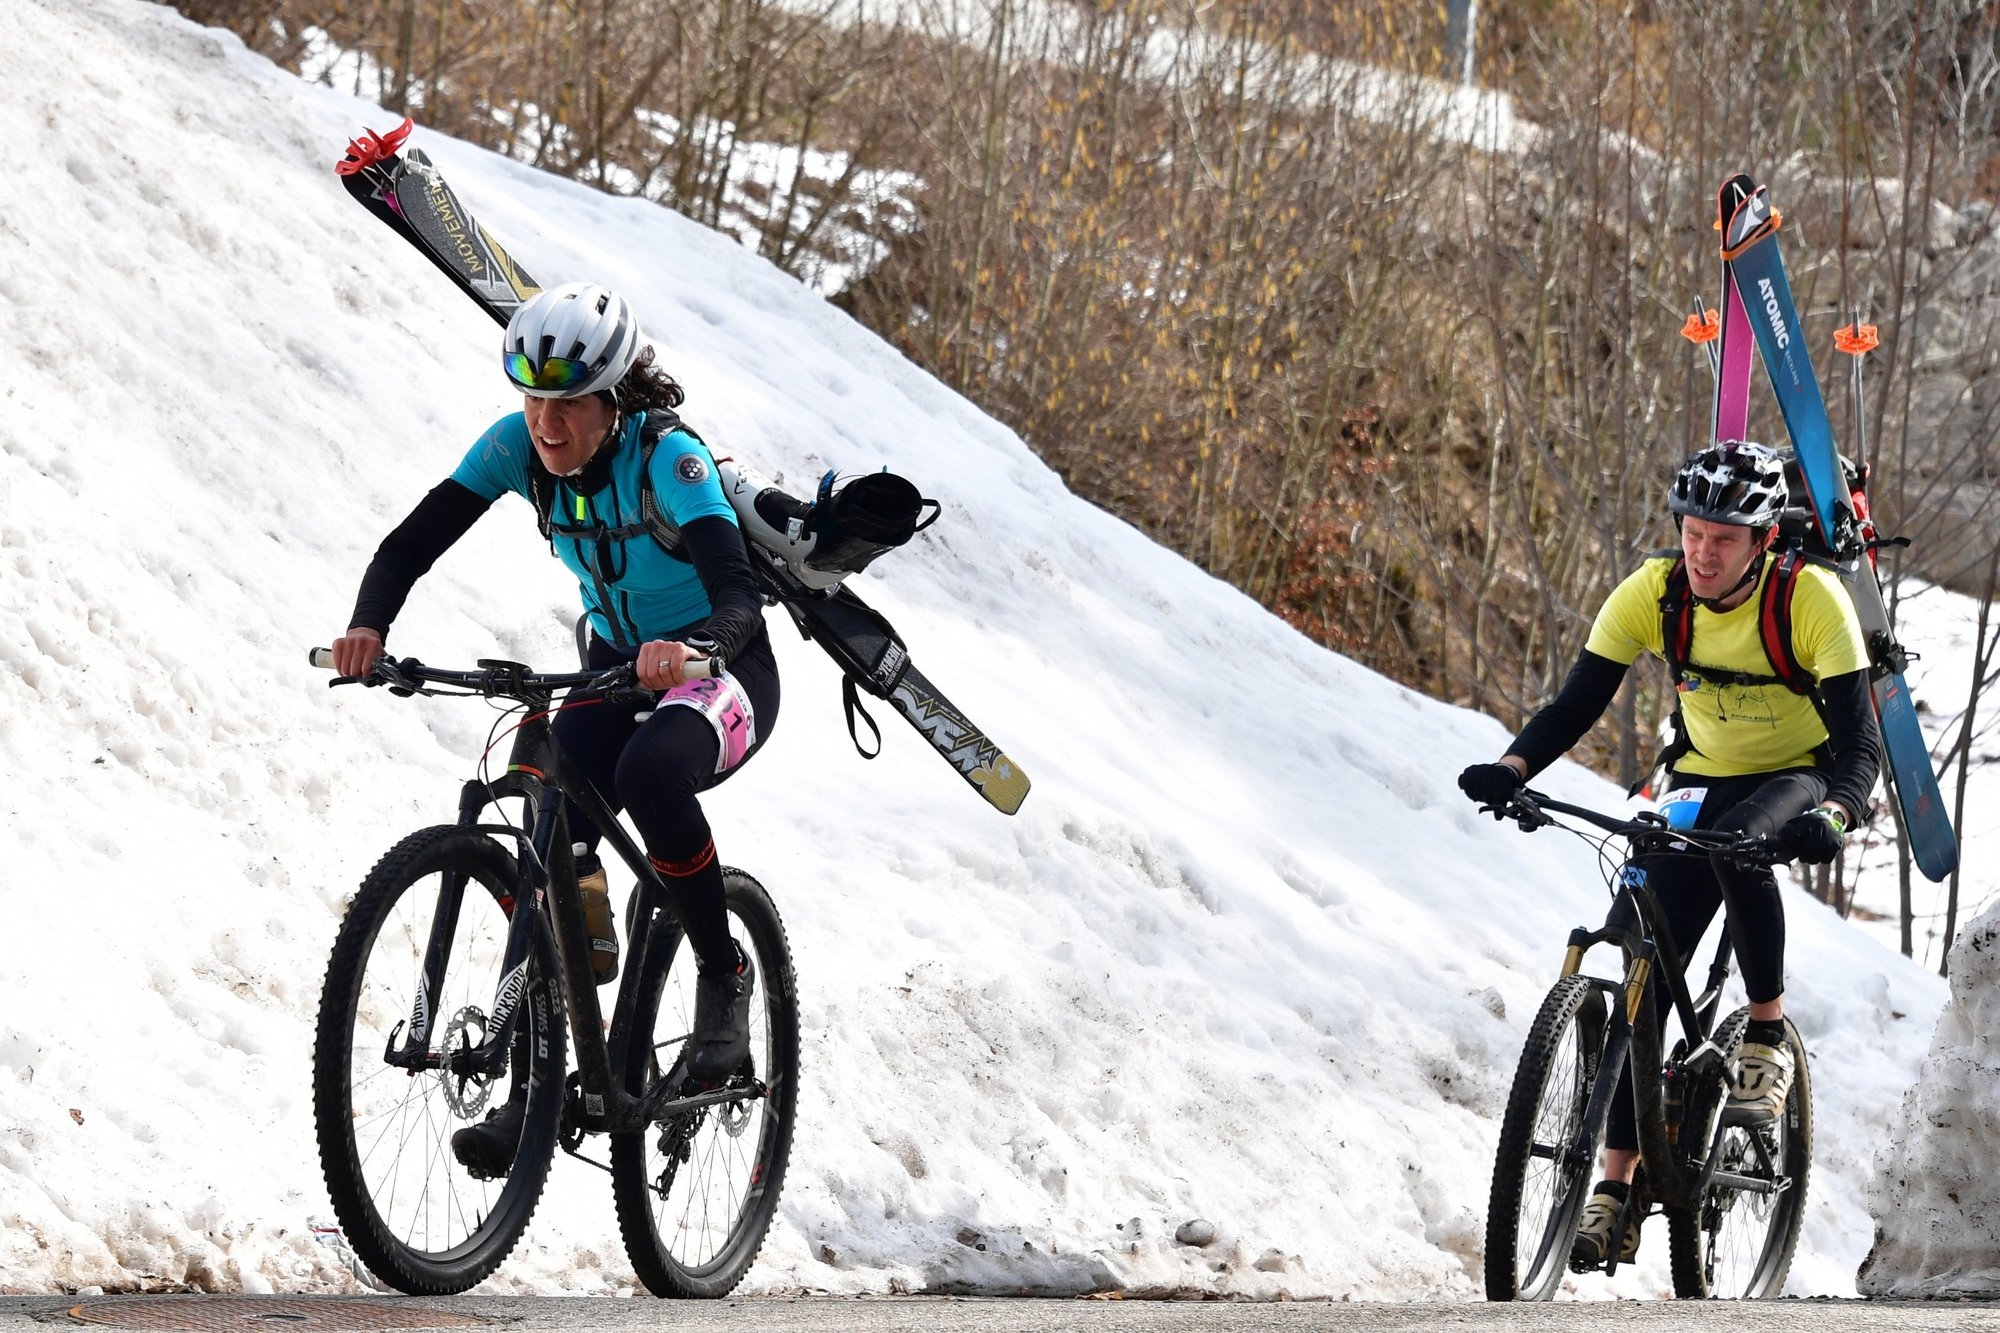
[1683, 806]
[722, 701]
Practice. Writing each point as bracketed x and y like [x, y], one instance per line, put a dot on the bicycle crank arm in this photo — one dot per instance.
[670, 1107]
[748, 1092]
[1750, 1184]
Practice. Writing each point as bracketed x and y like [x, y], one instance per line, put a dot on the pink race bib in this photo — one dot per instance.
[722, 701]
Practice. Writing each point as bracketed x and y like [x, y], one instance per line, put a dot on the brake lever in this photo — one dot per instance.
[397, 675]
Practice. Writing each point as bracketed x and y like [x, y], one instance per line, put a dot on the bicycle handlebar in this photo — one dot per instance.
[1533, 810]
[498, 679]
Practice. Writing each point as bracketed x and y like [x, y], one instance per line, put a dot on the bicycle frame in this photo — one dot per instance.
[1593, 1031]
[1629, 1040]
[541, 775]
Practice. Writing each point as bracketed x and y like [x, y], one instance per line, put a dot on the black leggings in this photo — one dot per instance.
[1690, 888]
[654, 769]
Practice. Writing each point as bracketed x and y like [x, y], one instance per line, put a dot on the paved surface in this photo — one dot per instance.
[40, 1314]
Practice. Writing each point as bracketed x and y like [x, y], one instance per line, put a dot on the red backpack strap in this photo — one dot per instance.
[1774, 623]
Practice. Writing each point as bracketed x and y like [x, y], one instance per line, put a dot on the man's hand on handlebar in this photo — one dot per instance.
[1491, 785]
[1812, 837]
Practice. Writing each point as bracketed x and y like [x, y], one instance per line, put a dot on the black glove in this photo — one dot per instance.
[1813, 837]
[1490, 784]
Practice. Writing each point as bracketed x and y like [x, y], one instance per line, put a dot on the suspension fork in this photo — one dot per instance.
[489, 1058]
[413, 1052]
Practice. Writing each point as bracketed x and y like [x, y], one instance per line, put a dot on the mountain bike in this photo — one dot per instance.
[1734, 1195]
[445, 999]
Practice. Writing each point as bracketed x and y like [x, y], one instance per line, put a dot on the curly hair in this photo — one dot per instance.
[644, 387]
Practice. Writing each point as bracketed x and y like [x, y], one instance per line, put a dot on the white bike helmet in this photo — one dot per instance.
[570, 341]
[1734, 482]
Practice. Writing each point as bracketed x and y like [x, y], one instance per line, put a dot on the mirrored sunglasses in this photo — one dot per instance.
[558, 372]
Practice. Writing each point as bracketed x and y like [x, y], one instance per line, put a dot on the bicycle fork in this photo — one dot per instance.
[489, 1058]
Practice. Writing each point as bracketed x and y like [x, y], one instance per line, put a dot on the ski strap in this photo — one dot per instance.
[851, 701]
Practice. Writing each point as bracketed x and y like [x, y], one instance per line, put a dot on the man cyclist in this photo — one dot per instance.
[1758, 757]
[630, 502]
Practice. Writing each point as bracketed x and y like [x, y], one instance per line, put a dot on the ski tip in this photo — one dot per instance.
[1856, 339]
[371, 149]
[1702, 327]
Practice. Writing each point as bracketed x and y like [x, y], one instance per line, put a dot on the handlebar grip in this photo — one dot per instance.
[321, 658]
[698, 668]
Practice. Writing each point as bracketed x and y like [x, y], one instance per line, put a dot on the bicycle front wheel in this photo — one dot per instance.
[1541, 1173]
[420, 1219]
[1738, 1242]
[696, 1192]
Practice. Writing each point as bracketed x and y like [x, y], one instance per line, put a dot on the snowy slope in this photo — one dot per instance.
[1245, 954]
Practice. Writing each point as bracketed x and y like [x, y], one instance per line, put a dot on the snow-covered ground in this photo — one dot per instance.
[1936, 1199]
[1245, 954]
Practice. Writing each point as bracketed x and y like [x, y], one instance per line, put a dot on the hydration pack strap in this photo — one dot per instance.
[1774, 631]
[543, 485]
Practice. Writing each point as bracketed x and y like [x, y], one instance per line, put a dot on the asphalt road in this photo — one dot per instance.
[950, 1315]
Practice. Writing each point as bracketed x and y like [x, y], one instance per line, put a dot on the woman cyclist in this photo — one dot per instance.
[630, 502]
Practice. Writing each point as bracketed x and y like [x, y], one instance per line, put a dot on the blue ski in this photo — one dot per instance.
[1750, 252]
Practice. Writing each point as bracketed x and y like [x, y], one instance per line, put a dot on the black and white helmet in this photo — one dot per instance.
[570, 341]
[1734, 482]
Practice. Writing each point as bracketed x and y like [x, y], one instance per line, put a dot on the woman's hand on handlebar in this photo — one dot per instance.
[663, 664]
[355, 651]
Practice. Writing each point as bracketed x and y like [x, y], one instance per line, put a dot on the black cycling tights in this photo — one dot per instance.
[654, 770]
[1689, 890]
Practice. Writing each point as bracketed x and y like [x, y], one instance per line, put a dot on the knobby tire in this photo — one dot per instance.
[412, 1213]
[1541, 1176]
[698, 1237]
[1739, 1244]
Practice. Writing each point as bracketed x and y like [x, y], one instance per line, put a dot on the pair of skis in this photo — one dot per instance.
[403, 188]
[1757, 309]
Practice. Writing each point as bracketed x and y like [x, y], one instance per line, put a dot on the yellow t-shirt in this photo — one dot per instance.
[1739, 729]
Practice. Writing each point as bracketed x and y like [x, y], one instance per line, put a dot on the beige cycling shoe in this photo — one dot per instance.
[1593, 1237]
[1760, 1079]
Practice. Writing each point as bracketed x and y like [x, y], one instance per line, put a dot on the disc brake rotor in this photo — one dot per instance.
[465, 1094]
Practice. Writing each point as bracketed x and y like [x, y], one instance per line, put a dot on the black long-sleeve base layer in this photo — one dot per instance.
[714, 546]
[1594, 681]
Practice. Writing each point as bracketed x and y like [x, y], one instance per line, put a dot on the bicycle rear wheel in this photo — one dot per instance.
[418, 1218]
[1541, 1173]
[696, 1192]
[1739, 1241]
